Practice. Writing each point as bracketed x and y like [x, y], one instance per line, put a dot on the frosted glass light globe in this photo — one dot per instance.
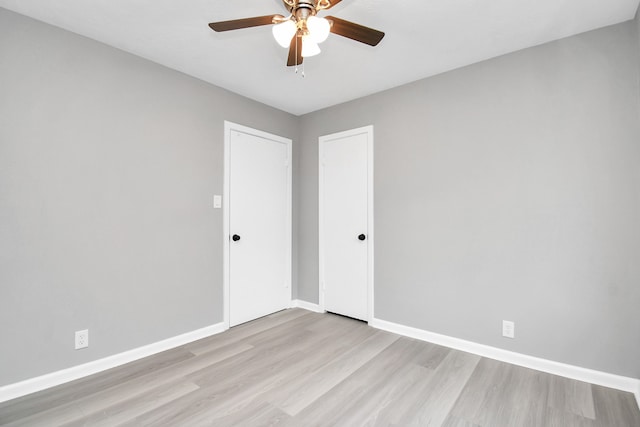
[318, 28]
[309, 47]
[283, 32]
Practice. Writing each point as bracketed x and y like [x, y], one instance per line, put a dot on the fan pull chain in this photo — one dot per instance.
[296, 69]
[296, 36]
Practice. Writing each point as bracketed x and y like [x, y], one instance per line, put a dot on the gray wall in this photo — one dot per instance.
[637, 21]
[506, 190]
[108, 166]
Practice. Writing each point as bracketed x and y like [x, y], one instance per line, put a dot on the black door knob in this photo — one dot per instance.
[235, 237]
[362, 237]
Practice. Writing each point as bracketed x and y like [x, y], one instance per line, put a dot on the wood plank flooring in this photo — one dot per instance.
[297, 368]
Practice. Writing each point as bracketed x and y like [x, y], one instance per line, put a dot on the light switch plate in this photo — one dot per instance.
[217, 201]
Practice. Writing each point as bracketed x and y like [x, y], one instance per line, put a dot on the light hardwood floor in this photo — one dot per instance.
[297, 368]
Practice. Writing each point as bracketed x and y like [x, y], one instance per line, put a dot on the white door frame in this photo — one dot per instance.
[228, 127]
[370, 229]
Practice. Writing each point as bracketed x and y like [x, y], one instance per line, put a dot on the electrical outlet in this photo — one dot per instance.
[82, 339]
[508, 329]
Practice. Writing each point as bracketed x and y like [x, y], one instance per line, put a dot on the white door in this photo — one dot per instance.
[346, 223]
[259, 223]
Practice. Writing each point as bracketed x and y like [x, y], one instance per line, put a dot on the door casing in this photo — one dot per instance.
[228, 128]
[368, 130]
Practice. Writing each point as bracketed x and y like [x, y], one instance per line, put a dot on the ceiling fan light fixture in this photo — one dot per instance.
[302, 30]
[318, 28]
[309, 47]
[284, 32]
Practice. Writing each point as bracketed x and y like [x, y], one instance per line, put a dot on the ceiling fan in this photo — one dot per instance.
[302, 30]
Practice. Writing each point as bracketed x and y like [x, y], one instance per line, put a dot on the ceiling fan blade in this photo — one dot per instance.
[295, 51]
[237, 24]
[355, 32]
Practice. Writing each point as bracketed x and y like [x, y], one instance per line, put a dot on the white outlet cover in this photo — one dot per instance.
[508, 329]
[82, 339]
[217, 201]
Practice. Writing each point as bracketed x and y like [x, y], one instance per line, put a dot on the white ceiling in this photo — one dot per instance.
[423, 38]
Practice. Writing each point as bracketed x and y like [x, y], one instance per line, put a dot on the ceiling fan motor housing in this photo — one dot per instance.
[302, 9]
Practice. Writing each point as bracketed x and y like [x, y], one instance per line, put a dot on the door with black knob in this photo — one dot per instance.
[259, 223]
[346, 223]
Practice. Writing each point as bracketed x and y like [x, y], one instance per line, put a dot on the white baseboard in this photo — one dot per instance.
[52, 379]
[33, 385]
[618, 382]
[306, 305]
